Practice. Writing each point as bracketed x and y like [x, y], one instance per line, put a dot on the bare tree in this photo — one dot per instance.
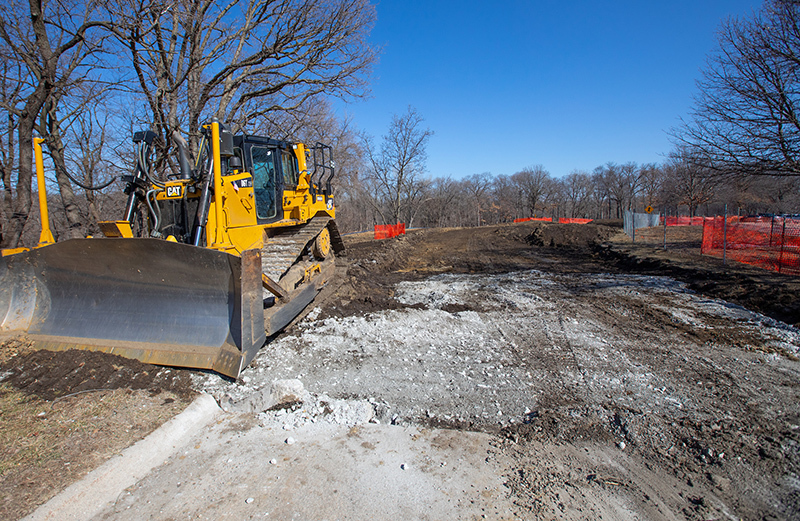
[532, 183]
[50, 127]
[395, 171]
[746, 119]
[90, 157]
[686, 183]
[49, 38]
[576, 189]
[509, 203]
[477, 186]
[239, 61]
[620, 185]
[441, 197]
[10, 88]
[652, 179]
[631, 176]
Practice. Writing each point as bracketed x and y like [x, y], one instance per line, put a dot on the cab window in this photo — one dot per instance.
[289, 164]
[264, 186]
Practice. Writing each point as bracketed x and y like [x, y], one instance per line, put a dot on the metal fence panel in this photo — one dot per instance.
[632, 221]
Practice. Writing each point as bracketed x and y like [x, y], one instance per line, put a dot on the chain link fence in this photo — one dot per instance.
[632, 221]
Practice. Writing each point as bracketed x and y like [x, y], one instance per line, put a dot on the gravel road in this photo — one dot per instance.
[500, 373]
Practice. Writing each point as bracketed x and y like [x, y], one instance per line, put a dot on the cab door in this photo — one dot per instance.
[267, 189]
[296, 198]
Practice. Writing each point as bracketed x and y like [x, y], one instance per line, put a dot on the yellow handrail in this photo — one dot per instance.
[221, 241]
[46, 237]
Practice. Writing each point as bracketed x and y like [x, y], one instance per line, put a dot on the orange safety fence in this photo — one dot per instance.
[387, 231]
[573, 220]
[772, 244]
[542, 219]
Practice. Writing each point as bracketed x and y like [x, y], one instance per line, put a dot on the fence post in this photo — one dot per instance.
[783, 240]
[725, 236]
[665, 227]
[771, 229]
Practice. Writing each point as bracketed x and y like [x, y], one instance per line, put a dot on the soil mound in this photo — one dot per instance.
[570, 235]
[52, 374]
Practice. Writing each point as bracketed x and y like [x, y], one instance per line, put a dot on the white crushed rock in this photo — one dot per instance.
[287, 403]
[529, 336]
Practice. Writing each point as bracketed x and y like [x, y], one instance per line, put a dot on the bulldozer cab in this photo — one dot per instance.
[274, 169]
[263, 183]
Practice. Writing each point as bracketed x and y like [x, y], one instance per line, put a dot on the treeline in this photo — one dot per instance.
[367, 195]
[676, 187]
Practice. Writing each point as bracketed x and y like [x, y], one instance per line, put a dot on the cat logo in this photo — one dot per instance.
[174, 191]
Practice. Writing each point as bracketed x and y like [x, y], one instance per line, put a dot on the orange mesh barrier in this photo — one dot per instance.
[542, 219]
[573, 220]
[387, 231]
[772, 244]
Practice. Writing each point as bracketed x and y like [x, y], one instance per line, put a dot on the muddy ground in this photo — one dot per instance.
[612, 379]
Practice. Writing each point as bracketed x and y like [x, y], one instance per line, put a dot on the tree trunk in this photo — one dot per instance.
[6, 201]
[93, 213]
[71, 210]
[22, 205]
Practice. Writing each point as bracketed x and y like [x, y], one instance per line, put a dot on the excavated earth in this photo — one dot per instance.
[572, 373]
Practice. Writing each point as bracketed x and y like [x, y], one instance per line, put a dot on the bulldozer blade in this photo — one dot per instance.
[282, 315]
[288, 309]
[156, 301]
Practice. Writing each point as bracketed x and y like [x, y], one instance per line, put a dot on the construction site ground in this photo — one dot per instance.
[526, 371]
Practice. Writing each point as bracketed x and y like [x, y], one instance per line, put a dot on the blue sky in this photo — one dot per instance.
[570, 85]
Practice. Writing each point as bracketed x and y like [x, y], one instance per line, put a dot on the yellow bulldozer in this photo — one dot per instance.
[201, 269]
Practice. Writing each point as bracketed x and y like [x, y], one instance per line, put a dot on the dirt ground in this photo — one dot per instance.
[559, 248]
[743, 385]
[64, 413]
[767, 292]
[612, 379]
